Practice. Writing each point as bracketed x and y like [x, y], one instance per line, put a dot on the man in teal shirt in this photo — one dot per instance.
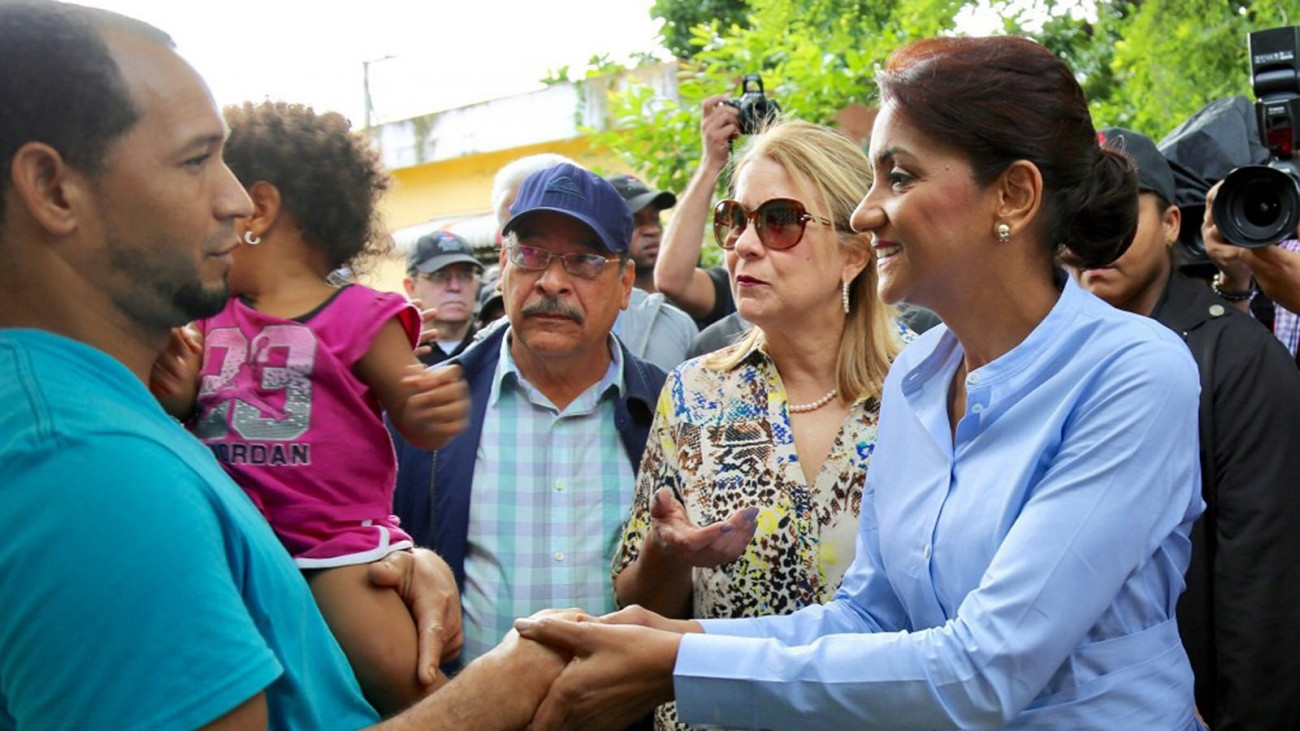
[141, 587]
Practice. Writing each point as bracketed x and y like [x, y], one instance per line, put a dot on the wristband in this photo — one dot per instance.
[1230, 295]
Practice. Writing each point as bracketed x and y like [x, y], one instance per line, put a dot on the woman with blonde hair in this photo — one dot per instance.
[748, 495]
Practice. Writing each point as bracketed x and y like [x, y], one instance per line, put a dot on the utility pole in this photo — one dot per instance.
[365, 83]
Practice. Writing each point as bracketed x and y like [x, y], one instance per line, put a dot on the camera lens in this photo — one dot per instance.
[1260, 204]
[1257, 206]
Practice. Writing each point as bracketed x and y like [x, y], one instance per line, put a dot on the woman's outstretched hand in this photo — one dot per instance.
[707, 546]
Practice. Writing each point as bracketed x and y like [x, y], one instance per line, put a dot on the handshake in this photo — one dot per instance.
[570, 670]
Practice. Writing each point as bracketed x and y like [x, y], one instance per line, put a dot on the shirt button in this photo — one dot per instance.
[559, 555]
[559, 485]
[925, 552]
[977, 408]
[1216, 310]
[973, 378]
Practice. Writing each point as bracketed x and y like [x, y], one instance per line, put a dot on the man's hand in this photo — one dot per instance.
[618, 673]
[1232, 261]
[425, 582]
[719, 125]
[712, 545]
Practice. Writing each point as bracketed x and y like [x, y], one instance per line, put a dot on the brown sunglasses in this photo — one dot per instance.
[779, 222]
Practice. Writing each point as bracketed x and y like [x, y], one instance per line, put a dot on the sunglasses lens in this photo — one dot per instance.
[728, 223]
[780, 224]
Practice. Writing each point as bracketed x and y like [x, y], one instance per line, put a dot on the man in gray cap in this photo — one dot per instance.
[1238, 619]
[443, 274]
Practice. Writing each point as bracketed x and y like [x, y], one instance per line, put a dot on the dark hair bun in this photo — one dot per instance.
[1099, 215]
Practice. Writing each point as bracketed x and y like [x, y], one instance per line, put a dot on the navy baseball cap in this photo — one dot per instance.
[638, 195]
[579, 194]
[437, 250]
[1154, 173]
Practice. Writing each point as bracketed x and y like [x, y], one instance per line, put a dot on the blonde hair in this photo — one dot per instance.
[830, 168]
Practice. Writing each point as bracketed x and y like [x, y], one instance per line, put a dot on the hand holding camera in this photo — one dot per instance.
[756, 110]
[1259, 205]
[1234, 269]
[719, 125]
[726, 119]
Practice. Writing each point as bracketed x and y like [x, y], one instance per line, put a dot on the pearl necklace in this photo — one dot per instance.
[813, 405]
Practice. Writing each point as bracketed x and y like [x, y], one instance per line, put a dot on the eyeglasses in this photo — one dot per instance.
[533, 258]
[779, 222]
[444, 276]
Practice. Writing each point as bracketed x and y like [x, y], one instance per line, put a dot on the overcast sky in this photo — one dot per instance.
[444, 53]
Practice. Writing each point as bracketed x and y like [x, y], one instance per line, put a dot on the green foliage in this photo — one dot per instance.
[815, 56]
[1148, 65]
[1144, 64]
[681, 16]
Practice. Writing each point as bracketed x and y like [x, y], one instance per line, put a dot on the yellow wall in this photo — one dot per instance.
[459, 186]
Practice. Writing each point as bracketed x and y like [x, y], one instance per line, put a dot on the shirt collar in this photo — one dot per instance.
[507, 373]
[942, 359]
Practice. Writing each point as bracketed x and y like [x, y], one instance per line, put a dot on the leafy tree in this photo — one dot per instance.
[815, 56]
[1148, 65]
[1144, 64]
[680, 16]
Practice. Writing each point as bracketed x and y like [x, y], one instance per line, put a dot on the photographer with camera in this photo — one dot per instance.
[1273, 270]
[705, 294]
[1252, 217]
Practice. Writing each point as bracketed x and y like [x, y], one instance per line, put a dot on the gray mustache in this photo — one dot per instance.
[552, 306]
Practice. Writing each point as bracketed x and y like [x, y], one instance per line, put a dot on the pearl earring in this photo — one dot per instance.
[250, 239]
[1003, 232]
[844, 297]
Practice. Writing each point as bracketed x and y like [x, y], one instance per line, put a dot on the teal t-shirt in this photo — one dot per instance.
[141, 588]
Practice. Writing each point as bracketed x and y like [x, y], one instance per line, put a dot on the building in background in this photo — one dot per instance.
[443, 163]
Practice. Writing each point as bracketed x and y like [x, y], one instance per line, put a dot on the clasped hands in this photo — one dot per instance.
[620, 666]
[616, 669]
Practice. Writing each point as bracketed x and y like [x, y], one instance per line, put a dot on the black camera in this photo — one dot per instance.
[756, 110]
[1259, 205]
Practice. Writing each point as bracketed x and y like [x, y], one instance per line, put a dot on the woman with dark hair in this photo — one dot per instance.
[288, 383]
[1024, 525]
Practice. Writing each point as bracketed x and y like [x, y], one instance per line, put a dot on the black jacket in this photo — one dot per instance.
[1240, 616]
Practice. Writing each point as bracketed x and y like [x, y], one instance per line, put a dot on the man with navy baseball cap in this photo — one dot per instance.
[561, 411]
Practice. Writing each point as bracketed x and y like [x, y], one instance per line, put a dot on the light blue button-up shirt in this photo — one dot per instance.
[1022, 574]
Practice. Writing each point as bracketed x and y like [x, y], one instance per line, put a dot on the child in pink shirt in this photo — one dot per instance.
[288, 384]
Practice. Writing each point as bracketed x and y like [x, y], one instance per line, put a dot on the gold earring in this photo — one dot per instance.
[1003, 232]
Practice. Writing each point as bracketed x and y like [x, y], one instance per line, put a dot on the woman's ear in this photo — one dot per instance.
[266, 207]
[1019, 191]
[856, 258]
[1171, 221]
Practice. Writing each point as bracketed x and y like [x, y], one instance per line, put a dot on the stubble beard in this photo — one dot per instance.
[168, 290]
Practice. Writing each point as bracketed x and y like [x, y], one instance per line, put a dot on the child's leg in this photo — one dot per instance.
[376, 631]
